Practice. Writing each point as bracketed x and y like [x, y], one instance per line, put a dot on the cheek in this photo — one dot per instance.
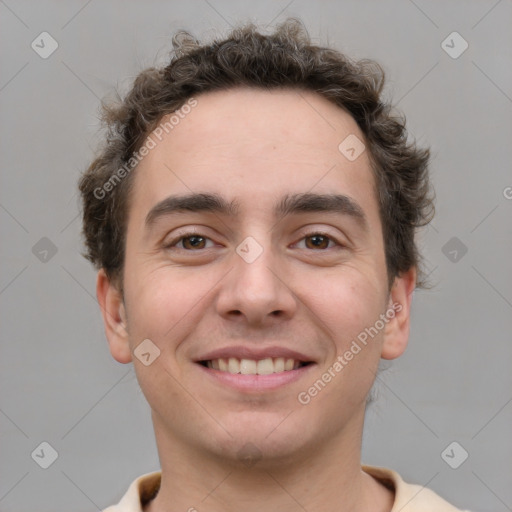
[345, 308]
[161, 310]
[346, 302]
[165, 305]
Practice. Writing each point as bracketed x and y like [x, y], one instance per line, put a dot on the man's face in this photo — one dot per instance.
[281, 275]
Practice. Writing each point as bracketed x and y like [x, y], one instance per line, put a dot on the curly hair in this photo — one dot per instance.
[246, 58]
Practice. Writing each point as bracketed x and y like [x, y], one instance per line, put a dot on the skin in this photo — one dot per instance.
[255, 147]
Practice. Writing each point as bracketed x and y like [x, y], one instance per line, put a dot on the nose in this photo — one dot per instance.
[257, 292]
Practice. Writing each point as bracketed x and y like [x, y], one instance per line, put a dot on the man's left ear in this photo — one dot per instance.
[396, 333]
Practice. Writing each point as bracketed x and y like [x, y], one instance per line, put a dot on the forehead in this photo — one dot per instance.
[264, 119]
[252, 145]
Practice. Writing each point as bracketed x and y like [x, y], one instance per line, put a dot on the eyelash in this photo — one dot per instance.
[184, 236]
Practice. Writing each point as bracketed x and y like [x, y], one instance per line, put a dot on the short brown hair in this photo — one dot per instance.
[246, 58]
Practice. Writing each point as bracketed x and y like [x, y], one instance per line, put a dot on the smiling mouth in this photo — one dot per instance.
[265, 366]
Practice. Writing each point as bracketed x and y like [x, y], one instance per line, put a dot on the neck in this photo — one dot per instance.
[326, 477]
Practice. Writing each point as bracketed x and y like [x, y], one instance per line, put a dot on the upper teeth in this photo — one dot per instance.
[253, 367]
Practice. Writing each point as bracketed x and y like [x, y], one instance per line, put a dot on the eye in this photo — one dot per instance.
[195, 242]
[189, 242]
[319, 241]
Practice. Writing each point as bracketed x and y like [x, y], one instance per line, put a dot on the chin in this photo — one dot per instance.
[261, 439]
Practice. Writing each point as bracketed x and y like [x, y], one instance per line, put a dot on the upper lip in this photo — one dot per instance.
[245, 352]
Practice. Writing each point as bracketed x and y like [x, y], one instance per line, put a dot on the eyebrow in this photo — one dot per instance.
[288, 205]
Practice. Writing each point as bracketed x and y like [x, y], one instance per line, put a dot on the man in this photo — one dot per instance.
[252, 218]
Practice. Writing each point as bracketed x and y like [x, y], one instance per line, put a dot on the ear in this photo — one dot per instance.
[114, 317]
[396, 334]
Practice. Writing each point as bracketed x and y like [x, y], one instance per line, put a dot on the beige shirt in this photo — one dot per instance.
[408, 497]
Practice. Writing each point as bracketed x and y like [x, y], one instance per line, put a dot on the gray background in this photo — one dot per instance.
[58, 381]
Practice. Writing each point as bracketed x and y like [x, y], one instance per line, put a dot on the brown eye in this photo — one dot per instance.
[317, 241]
[193, 242]
[189, 242]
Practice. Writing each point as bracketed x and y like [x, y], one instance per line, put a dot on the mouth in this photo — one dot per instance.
[254, 370]
[267, 366]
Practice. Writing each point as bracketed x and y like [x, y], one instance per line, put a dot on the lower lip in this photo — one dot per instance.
[256, 382]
